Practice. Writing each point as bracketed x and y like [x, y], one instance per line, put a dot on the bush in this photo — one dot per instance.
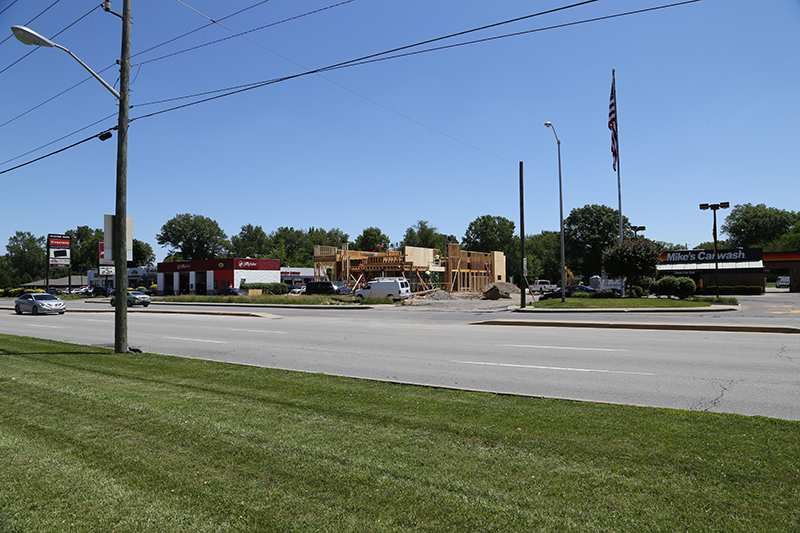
[666, 286]
[686, 287]
[268, 288]
[636, 291]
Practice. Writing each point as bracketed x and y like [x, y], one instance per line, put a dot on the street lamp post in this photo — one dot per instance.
[714, 207]
[30, 37]
[637, 229]
[561, 214]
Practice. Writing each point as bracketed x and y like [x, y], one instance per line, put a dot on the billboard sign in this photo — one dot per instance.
[58, 250]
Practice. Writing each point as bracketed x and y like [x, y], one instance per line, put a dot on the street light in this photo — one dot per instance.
[714, 207]
[637, 229]
[561, 211]
[30, 37]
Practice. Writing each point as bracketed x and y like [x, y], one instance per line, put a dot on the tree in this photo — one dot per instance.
[143, 254]
[195, 237]
[287, 246]
[632, 259]
[544, 255]
[757, 225]
[588, 231]
[252, 241]
[495, 234]
[790, 242]
[84, 248]
[26, 257]
[370, 239]
[424, 236]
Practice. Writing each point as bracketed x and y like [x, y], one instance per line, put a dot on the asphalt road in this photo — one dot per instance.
[731, 372]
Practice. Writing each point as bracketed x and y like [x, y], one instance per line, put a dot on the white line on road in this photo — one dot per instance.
[195, 340]
[260, 331]
[563, 369]
[563, 348]
[50, 327]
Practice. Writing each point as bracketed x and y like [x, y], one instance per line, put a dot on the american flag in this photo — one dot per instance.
[612, 123]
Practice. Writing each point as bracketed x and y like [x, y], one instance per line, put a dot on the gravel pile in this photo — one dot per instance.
[507, 288]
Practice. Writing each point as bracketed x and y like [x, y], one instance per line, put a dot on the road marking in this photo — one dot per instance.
[260, 331]
[195, 340]
[50, 327]
[564, 348]
[558, 368]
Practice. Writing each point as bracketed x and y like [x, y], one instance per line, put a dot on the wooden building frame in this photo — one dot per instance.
[455, 271]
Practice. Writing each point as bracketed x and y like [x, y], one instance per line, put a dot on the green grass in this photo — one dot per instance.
[619, 303]
[95, 441]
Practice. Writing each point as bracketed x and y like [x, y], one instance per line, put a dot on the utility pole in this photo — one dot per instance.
[121, 217]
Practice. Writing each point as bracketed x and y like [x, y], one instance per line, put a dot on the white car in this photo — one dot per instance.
[39, 303]
[783, 282]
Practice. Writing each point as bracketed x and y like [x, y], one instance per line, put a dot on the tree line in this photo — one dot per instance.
[589, 233]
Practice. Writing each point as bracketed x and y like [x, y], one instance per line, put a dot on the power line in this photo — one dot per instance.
[54, 36]
[95, 136]
[365, 60]
[242, 33]
[34, 18]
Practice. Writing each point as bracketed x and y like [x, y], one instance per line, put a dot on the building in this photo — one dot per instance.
[296, 276]
[208, 276]
[739, 266]
[452, 269]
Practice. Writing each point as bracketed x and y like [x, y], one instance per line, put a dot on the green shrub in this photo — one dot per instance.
[15, 293]
[666, 286]
[636, 291]
[686, 287]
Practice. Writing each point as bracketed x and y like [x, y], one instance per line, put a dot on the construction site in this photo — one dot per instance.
[427, 269]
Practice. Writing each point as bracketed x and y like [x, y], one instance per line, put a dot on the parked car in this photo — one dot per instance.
[300, 289]
[230, 291]
[388, 287]
[327, 287]
[103, 291]
[39, 303]
[542, 286]
[134, 298]
[571, 290]
[782, 282]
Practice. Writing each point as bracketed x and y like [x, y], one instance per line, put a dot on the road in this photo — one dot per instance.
[744, 373]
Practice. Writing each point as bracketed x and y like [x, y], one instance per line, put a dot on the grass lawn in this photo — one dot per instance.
[280, 299]
[618, 303]
[95, 441]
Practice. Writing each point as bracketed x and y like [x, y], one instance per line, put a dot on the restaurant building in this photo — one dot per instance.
[208, 276]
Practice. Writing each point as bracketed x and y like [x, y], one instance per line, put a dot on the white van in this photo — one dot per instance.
[385, 287]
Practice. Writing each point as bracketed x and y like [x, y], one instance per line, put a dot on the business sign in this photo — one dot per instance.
[58, 250]
[708, 256]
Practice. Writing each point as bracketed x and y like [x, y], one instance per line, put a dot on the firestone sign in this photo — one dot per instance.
[708, 256]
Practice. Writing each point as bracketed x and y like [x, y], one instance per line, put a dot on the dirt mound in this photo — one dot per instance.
[438, 295]
[502, 286]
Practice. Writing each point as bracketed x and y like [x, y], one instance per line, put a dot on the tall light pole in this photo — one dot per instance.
[637, 229]
[561, 212]
[714, 207]
[30, 37]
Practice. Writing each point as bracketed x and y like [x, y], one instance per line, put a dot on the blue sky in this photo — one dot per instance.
[708, 104]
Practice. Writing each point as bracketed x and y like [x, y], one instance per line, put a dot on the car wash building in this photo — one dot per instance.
[208, 276]
[739, 266]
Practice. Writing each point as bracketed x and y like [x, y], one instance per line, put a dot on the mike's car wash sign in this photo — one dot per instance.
[58, 250]
[708, 256]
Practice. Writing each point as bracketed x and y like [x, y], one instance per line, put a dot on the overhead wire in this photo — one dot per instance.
[54, 36]
[162, 44]
[364, 60]
[34, 18]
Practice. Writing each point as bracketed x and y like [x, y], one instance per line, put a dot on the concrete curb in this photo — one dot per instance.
[739, 328]
[712, 308]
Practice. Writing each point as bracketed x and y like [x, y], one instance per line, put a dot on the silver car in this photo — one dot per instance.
[39, 303]
[134, 298]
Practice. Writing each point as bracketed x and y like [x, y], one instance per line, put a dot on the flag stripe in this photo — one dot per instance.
[612, 123]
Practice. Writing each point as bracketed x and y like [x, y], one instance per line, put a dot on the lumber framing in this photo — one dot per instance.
[456, 270]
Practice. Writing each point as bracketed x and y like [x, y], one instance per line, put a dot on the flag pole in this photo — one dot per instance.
[614, 127]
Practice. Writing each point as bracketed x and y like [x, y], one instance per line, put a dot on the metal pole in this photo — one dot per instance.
[523, 282]
[121, 217]
[716, 258]
[561, 210]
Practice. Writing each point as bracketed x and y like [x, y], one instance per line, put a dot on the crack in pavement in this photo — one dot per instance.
[708, 405]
